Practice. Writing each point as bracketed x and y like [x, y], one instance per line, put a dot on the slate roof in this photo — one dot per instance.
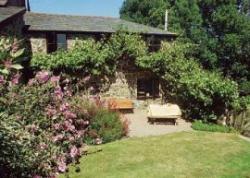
[92, 24]
[8, 12]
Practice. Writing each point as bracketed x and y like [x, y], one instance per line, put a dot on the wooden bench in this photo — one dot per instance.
[120, 104]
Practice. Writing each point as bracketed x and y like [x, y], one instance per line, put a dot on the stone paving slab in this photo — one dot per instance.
[140, 127]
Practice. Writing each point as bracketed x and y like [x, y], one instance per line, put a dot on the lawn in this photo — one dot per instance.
[186, 154]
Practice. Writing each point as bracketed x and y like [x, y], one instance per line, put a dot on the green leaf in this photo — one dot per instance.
[17, 54]
[5, 71]
[17, 66]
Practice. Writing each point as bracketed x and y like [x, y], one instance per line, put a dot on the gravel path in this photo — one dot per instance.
[139, 126]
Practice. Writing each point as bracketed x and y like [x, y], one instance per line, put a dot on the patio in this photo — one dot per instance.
[140, 127]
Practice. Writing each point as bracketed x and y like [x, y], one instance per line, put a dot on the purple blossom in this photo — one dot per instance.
[61, 165]
[80, 134]
[74, 152]
[55, 80]
[58, 93]
[50, 111]
[43, 76]
[57, 126]
[64, 107]
[31, 82]
[68, 126]
[69, 115]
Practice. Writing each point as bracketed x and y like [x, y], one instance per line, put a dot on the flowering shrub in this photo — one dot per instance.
[39, 130]
[43, 126]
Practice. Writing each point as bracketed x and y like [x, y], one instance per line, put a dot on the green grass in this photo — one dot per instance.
[180, 155]
[209, 127]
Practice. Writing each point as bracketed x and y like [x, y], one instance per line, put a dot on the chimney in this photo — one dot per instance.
[166, 21]
[28, 5]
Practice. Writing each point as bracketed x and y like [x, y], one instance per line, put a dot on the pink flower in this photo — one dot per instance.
[55, 79]
[50, 111]
[67, 125]
[58, 92]
[15, 79]
[64, 107]
[69, 115]
[80, 134]
[57, 126]
[2, 79]
[43, 76]
[31, 82]
[74, 152]
[61, 165]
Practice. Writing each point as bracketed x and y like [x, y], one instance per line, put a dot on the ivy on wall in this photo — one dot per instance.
[202, 94]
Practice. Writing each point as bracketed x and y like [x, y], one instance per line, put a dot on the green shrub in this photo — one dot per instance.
[107, 126]
[209, 127]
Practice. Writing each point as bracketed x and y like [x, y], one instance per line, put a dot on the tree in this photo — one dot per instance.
[220, 30]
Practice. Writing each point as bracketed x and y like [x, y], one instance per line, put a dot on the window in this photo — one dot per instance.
[56, 41]
[61, 41]
[147, 88]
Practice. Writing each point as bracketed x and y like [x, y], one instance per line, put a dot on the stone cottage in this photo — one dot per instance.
[49, 32]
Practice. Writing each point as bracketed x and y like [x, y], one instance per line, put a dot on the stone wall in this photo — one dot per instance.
[123, 85]
[38, 43]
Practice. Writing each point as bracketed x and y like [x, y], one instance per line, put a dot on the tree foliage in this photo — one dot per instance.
[220, 30]
[201, 94]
